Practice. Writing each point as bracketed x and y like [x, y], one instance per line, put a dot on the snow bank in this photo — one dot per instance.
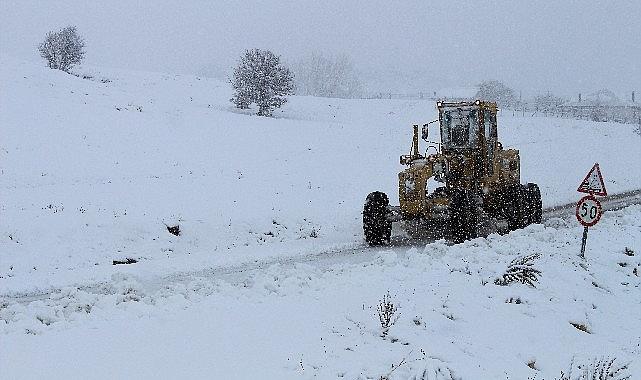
[319, 320]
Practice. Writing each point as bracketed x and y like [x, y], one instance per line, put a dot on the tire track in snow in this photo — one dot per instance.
[239, 273]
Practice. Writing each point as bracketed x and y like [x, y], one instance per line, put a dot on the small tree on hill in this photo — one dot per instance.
[261, 78]
[62, 49]
[496, 91]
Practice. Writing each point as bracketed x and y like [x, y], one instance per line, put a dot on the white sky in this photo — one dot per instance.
[560, 46]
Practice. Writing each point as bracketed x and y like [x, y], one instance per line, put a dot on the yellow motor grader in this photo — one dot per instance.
[480, 191]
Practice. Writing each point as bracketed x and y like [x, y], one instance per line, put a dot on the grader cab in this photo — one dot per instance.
[479, 192]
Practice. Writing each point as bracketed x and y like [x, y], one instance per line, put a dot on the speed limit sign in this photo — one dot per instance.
[588, 211]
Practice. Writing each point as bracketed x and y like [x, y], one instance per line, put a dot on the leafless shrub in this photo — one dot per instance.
[394, 368]
[387, 313]
[439, 373]
[547, 102]
[521, 270]
[597, 369]
[496, 91]
[422, 368]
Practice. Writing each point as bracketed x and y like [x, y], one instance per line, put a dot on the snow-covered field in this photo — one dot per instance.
[93, 170]
[319, 320]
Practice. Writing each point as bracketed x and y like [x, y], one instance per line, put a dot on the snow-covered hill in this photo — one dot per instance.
[92, 172]
[94, 169]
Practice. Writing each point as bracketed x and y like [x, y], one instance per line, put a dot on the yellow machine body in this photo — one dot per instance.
[469, 156]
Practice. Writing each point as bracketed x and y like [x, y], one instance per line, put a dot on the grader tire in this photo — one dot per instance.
[376, 227]
[514, 207]
[464, 216]
[534, 206]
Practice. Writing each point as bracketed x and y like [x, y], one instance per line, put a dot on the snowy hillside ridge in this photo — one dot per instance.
[319, 321]
[93, 170]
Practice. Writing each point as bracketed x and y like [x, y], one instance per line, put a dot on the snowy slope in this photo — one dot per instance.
[92, 170]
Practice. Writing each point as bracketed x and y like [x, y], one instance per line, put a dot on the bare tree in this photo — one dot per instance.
[261, 78]
[548, 102]
[496, 91]
[327, 76]
[62, 49]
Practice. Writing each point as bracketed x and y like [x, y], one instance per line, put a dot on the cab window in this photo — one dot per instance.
[487, 122]
[459, 128]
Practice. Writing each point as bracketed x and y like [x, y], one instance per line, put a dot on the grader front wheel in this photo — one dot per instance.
[376, 226]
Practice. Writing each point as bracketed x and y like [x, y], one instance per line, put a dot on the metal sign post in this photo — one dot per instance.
[583, 242]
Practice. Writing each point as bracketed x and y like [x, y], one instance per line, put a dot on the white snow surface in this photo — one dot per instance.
[92, 172]
[319, 320]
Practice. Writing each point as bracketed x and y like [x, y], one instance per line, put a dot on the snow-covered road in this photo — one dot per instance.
[240, 272]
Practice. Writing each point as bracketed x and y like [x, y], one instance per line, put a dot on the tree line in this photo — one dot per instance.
[261, 78]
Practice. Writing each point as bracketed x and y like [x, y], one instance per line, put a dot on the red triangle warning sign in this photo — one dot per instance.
[593, 183]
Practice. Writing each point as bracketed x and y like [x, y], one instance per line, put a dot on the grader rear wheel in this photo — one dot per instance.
[534, 206]
[376, 227]
[514, 206]
[464, 216]
[522, 205]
